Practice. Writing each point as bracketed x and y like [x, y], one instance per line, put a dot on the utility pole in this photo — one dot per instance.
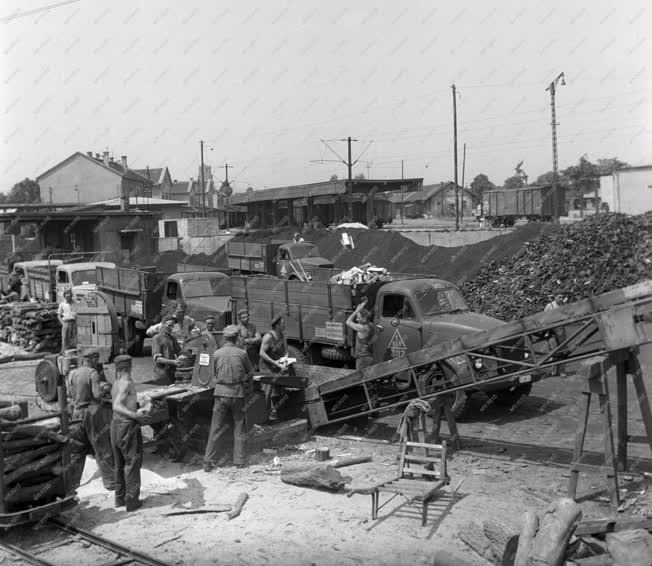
[552, 87]
[463, 170]
[457, 204]
[226, 193]
[401, 169]
[402, 192]
[350, 181]
[202, 188]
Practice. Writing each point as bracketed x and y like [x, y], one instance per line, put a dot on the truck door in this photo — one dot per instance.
[283, 267]
[400, 329]
[171, 295]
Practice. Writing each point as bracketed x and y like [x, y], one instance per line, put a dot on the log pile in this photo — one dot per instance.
[590, 257]
[32, 326]
[32, 459]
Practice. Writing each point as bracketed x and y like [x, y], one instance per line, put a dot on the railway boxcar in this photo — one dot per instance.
[534, 203]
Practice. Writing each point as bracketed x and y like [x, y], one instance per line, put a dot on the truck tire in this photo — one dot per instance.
[335, 354]
[511, 397]
[46, 379]
[458, 400]
[295, 352]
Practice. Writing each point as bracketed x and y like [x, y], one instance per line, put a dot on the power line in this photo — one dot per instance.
[36, 11]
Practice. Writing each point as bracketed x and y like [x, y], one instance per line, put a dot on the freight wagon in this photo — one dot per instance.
[533, 203]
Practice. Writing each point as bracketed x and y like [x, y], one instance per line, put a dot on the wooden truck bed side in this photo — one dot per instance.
[251, 257]
[41, 282]
[134, 293]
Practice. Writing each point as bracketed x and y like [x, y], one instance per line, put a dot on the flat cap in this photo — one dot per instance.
[243, 311]
[277, 318]
[230, 331]
[90, 353]
[122, 362]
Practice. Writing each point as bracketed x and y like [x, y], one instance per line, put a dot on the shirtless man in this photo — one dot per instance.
[273, 347]
[360, 322]
[87, 392]
[126, 437]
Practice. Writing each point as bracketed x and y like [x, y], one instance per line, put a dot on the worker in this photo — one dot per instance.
[559, 333]
[15, 286]
[209, 331]
[88, 396]
[183, 326]
[558, 301]
[232, 370]
[360, 322]
[126, 436]
[68, 318]
[248, 337]
[297, 238]
[165, 351]
[273, 347]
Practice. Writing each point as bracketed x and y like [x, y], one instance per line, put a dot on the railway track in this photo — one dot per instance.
[122, 555]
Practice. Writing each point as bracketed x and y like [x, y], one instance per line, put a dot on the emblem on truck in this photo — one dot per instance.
[397, 345]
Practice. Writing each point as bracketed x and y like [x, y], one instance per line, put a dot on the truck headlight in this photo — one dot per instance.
[477, 363]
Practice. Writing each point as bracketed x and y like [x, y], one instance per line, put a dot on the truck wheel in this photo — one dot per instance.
[46, 378]
[511, 397]
[335, 354]
[295, 352]
[435, 379]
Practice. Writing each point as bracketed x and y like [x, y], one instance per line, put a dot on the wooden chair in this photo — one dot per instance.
[417, 480]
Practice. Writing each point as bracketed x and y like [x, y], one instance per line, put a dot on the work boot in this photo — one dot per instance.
[208, 467]
[119, 502]
[134, 504]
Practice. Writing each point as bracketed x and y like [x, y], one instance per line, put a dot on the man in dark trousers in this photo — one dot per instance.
[165, 351]
[249, 338]
[360, 322]
[88, 396]
[126, 437]
[67, 314]
[273, 347]
[232, 370]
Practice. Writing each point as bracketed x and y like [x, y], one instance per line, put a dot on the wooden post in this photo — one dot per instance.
[621, 395]
[62, 395]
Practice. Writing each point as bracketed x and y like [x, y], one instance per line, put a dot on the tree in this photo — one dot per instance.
[518, 180]
[333, 178]
[581, 179]
[25, 191]
[609, 165]
[359, 177]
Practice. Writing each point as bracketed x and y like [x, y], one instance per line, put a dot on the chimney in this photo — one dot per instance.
[124, 196]
[111, 159]
[124, 162]
[97, 156]
[106, 158]
[89, 153]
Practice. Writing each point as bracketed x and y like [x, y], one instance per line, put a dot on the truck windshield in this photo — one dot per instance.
[86, 277]
[210, 287]
[441, 301]
[304, 250]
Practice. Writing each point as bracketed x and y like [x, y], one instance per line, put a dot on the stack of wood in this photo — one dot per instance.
[32, 459]
[34, 327]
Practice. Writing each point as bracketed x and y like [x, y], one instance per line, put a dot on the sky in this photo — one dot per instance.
[262, 83]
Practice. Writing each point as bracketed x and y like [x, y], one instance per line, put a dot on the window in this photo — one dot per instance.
[397, 305]
[172, 290]
[170, 229]
[441, 301]
[62, 277]
[215, 286]
[85, 277]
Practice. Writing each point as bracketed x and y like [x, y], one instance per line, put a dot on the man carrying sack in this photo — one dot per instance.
[233, 371]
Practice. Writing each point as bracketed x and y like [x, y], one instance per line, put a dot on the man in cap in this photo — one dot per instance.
[126, 436]
[209, 331]
[232, 370]
[183, 325]
[67, 314]
[88, 395]
[165, 351]
[273, 347]
[248, 337]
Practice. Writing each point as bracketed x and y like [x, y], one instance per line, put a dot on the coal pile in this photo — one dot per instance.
[591, 257]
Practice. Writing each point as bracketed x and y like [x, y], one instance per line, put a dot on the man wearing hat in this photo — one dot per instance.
[88, 395]
[273, 347]
[165, 351]
[67, 315]
[232, 370]
[248, 337]
[126, 436]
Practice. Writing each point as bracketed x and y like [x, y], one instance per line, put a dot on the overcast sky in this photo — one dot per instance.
[263, 82]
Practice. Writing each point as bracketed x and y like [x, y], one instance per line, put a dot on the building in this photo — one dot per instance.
[431, 200]
[82, 179]
[627, 190]
[192, 235]
[162, 207]
[326, 202]
[160, 181]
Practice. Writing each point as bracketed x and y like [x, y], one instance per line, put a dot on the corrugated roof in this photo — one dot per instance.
[133, 201]
[297, 191]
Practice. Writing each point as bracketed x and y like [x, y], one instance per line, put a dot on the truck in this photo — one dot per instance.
[33, 275]
[138, 298]
[533, 203]
[47, 282]
[294, 260]
[409, 314]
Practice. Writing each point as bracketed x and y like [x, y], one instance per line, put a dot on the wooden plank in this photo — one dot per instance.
[425, 445]
[416, 458]
[612, 525]
[420, 471]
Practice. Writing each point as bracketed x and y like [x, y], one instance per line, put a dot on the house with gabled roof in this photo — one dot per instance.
[85, 178]
[160, 180]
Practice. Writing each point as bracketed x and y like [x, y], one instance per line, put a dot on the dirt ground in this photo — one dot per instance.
[512, 461]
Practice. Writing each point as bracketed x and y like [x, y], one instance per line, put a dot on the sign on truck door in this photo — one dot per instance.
[401, 327]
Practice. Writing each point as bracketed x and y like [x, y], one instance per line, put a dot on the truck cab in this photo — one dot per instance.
[298, 260]
[79, 277]
[204, 293]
